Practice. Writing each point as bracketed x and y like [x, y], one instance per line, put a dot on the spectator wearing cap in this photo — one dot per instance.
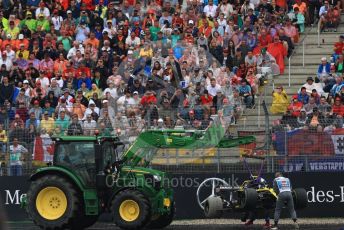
[23, 52]
[43, 24]
[295, 106]
[302, 119]
[82, 31]
[310, 85]
[22, 40]
[47, 107]
[80, 96]
[92, 110]
[69, 23]
[218, 99]
[7, 41]
[47, 122]
[126, 101]
[36, 109]
[29, 22]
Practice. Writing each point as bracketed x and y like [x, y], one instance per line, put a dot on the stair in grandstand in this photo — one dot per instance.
[254, 119]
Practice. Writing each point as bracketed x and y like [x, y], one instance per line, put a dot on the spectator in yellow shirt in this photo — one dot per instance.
[13, 30]
[23, 51]
[3, 139]
[146, 51]
[47, 123]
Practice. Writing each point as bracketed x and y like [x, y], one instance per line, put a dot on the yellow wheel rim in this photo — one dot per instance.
[51, 203]
[129, 210]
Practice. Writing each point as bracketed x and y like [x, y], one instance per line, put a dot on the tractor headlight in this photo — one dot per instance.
[153, 180]
[157, 178]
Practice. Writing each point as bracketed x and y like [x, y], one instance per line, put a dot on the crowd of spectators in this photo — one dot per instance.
[319, 104]
[74, 66]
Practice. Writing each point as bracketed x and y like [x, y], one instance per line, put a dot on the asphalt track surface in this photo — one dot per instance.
[221, 224]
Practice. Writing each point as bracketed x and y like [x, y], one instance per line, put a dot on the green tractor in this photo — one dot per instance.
[88, 177]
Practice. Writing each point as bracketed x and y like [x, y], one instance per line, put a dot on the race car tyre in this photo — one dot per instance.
[131, 210]
[213, 207]
[53, 202]
[249, 200]
[163, 220]
[300, 198]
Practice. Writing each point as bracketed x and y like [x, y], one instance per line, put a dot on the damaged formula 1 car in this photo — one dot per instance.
[253, 194]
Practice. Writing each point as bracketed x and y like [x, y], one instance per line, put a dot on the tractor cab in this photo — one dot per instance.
[86, 156]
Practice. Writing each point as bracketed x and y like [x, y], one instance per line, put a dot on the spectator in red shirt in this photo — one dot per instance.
[338, 46]
[148, 98]
[264, 38]
[206, 98]
[295, 107]
[338, 107]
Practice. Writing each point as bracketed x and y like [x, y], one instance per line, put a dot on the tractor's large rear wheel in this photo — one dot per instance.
[131, 210]
[163, 220]
[53, 202]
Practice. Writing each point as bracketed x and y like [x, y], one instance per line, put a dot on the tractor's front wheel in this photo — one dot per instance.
[163, 220]
[131, 210]
[53, 202]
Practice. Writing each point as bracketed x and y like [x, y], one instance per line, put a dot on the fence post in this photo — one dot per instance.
[218, 159]
[303, 53]
[319, 33]
[289, 71]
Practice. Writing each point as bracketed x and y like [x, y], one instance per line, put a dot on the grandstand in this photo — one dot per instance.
[313, 52]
